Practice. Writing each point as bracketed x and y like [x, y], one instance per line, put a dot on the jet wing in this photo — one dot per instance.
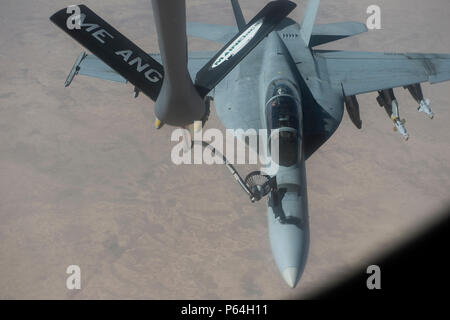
[91, 66]
[362, 72]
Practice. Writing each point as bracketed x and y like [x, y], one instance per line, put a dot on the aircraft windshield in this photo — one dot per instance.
[283, 123]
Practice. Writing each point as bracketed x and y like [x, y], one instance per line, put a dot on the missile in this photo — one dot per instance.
[424, 106]
[75, 69]
[386, 99]
[417, 94]
[400, 127]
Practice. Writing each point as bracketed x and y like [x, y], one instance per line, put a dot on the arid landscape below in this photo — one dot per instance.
[86, 180]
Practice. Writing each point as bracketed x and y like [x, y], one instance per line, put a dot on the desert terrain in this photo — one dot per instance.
[86, 180]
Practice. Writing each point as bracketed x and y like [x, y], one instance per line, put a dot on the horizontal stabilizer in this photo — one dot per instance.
[196, 60]
[240, 46]
[325, 33]
[211, 32]
[114, 49]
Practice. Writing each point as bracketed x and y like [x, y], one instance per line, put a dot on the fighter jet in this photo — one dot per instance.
[268, 75]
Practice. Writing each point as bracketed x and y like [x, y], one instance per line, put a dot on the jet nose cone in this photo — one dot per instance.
[290, 275]
[289, 235]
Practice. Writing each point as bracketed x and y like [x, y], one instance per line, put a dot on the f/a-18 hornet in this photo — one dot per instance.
[267, 76]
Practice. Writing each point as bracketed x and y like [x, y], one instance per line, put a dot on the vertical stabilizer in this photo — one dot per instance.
[240, 21]
[308, 20]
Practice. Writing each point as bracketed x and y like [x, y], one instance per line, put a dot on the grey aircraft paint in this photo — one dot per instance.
[279, 71]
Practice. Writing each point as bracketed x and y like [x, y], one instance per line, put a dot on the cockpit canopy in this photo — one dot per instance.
[282, 115]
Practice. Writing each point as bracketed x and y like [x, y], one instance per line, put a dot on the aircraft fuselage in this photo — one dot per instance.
[287, 206]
